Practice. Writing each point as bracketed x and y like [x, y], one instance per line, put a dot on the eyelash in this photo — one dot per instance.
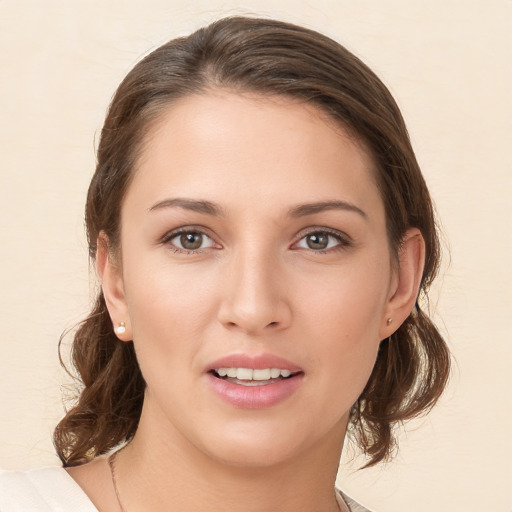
[166, 239]
[343, 240]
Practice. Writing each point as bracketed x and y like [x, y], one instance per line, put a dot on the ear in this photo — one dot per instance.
[405, 283]
[113, 288]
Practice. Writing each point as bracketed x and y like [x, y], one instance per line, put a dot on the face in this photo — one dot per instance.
[255, 276]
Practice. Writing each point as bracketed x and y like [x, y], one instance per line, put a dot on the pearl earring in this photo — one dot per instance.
[121, 328]
[389, 321]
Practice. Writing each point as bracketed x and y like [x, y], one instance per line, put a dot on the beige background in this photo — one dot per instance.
[448, 64]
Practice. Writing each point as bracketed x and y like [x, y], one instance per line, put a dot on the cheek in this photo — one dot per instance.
[348, 302]
[170, 309]
[167, 295]
[343, 319]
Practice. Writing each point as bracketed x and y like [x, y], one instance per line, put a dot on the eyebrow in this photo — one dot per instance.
[302, 210]
[195, 205]
[312, 208]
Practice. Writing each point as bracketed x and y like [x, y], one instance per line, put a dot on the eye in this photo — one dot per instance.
[189, 241]
[322, 241]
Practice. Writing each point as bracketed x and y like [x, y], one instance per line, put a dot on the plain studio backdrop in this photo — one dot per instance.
[447, 62]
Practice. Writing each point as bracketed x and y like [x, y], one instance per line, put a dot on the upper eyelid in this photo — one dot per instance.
[323, 229]
[342, 236]
[169, 235]
[344, 241]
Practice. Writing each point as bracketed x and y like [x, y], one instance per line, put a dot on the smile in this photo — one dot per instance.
[252, 377]
[254, 382]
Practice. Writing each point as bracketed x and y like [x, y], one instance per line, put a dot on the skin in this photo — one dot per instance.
[257, 284]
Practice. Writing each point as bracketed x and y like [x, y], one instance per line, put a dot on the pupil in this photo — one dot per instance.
[191, 240]
[318, 241]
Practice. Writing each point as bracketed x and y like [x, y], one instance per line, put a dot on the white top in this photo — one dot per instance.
[51, 489]
[48, 489]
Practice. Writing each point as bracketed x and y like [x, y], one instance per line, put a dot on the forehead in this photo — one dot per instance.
[247, 147]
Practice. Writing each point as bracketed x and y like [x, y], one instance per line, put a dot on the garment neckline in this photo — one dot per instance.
[85, 501]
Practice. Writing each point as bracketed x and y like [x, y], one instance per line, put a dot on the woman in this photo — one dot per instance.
[262, 232]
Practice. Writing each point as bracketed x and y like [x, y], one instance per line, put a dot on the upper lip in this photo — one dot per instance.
[256, 362]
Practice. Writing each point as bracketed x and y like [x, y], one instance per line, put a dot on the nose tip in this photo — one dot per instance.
[254, 301]
[251, 322]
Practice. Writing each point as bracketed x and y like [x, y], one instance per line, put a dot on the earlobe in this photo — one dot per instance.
[405, 289]
[112, 285]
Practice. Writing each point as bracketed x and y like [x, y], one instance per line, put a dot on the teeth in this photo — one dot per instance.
[250, 374]
[244, 374]
[274, 373]
[261, 374]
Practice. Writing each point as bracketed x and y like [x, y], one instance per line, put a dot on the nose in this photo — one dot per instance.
[254, 300]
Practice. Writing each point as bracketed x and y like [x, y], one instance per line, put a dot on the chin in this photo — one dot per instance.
[259, 445]
[255, 455]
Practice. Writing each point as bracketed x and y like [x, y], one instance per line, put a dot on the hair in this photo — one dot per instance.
[273, 58]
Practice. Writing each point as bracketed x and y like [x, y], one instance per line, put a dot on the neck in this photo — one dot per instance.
[160, 467]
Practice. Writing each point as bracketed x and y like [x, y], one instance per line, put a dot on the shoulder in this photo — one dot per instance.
[351, 503]
[48, 489]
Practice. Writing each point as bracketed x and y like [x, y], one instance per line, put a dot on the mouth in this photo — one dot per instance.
[253, 376]
[254, 381]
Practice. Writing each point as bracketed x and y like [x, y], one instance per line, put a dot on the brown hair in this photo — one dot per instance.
[272, 58]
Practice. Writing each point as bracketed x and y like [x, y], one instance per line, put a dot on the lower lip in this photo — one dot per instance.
[255, 397]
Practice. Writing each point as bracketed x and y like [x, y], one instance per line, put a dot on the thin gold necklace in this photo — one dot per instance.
[112, 465]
